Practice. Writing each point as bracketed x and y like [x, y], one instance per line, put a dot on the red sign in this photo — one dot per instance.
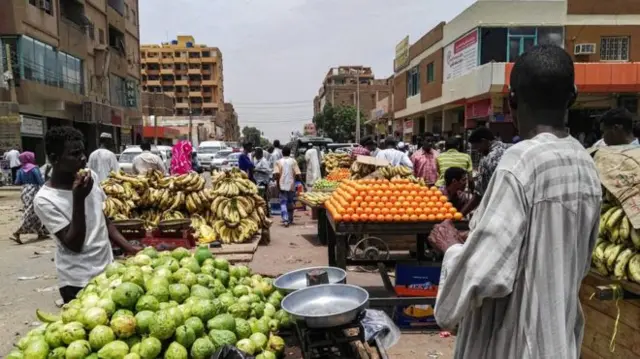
[477, 109]
[398, 126]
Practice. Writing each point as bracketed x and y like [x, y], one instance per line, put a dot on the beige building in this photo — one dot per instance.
[74, 62]
[191, 73]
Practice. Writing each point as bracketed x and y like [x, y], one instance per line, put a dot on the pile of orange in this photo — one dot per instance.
[339, 174]
[396, 200]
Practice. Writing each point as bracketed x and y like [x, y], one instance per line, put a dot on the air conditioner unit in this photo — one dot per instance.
[584, 49]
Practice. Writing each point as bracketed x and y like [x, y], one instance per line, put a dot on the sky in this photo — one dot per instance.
[277, 52]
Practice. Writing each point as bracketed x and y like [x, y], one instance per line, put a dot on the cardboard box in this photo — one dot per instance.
[416, 280]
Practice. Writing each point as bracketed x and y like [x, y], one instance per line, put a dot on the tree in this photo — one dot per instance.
[338, 123]
[251, 134]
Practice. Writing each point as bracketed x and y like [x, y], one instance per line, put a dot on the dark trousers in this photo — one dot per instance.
[69, 293]
[14, 172]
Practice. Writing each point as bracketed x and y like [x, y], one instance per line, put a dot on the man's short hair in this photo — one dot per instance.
[454, 173]
[57, 137]
[544, 78]
[618, 116]
[481, 133]
[247, 145]
[451, 143]
[258, 152]
[145, 146]
[367, 140]
[276, 143]
[286, 151]
[390, 142]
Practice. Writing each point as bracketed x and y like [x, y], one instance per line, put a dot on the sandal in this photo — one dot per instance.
[16, 238]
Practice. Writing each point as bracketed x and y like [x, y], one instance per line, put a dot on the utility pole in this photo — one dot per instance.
[358, 106]
[190, 125]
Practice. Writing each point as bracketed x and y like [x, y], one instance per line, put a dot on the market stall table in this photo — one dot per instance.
[338, 254]
[322, 218]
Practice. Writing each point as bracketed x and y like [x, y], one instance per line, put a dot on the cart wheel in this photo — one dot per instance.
[372, 248]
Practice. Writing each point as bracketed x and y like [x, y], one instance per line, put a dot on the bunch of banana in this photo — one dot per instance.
[151, 217]
[196, 221]
[244, 231]
[189, 182]
[138, 182]
[230, 187]
[205, 234]
[615, 226]
[390, 172]
[171, 214]
[615, 259]
[336, 160]
[113, 206]
[316, 198]
[361, 170]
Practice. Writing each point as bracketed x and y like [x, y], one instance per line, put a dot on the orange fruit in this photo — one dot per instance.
[415, 204]
[402, 199]
[440, 217]
[433, 188]
[422, 217]
[457, 216]
[364, 204]
[431, 204]
[393, 210]
[346, 218]
[355, 217]
[452, 210]
[380, 204]
[384, 210]
[402, 210]
[410, 210]
[350, 210]
[367, 198]
[368, 210]
[413, 218]
[444, 199]
[448, 204]
[388, 218]
[443, 210]
[397, 218]
[410, 198]
[405, 217]
[360, 210]
[380, 218]
[337, 217]
[373, 217]
[418, 210]
[384, 199]
[376, 210]
[431, 217]
[428, 193]
[437, 193]
[448, 216]
[434, 198]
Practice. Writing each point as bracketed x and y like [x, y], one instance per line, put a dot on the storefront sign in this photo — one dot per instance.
[397, 126]
[408, 126]
[477, 109]
[31, 126]
[381, 129]
[402, 54]
[131, 93]
[461, 57]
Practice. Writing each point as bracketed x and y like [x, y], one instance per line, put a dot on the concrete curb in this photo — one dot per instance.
[10, 189]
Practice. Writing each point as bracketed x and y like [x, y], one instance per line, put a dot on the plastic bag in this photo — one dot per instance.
[377, 324]
[230, 352]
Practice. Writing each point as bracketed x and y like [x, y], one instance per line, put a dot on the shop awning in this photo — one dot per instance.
[161, 132]
[601, 77]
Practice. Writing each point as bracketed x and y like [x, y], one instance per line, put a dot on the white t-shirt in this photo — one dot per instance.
[13, 157]
[54, 207]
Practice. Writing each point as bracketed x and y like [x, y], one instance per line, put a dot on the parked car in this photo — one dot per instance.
[126, 157]
[207, 150]
[231, 161]
[219, 159]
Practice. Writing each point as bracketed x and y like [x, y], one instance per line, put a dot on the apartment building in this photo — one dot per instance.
[456, 76]
[191, 73]
[342, 84]
[73, 62]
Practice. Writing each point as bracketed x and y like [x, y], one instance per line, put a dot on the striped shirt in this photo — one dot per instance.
[513, 286]
[449, 159]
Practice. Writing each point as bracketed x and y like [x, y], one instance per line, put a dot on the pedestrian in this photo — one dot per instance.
[452, 157]
[455, 183]
[512, 287]
[365, 148]
[424, 161]
[277, 152]
[13, 156]
[392, 155]
[286, 173]
[30, 178]
[244, 161]
[402, 147]
[617, 128]
[312, 161]
[181, 157]
[491, 149]
[70, 207]
[147, 161]
[45, 170]
[262, 170]
[102, 161]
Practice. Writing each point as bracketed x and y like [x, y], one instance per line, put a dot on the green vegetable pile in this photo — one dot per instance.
[171, 305]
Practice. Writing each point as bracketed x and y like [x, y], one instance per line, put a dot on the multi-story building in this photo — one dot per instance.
[189, 72]
[231, 127]
[456, 76]
[342, 84]
[73, 62]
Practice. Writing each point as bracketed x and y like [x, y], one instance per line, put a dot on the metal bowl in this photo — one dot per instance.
[326, 305]
[292, 281]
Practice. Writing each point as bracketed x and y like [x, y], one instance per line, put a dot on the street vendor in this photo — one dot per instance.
[512, 287]
[70, 206]
[312, 161]
[455, 184]
[367, 147]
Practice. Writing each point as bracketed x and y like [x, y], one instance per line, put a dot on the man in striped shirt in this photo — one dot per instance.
[512, 287]
[451, 157]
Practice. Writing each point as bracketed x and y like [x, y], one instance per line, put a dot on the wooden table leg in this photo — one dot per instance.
[342, 251]
[331, 243]
[322, 225]
[421, 246]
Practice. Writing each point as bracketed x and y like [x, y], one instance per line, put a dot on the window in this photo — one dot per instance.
[117, 87]
[614, 48]
[413, 82]
[551, 36]
[42, 63]
[117, 5]
[134, 17]
[101, 36]
[431, 76]
[45, 5]
[91, 30]
[520, 39]
[126, 11]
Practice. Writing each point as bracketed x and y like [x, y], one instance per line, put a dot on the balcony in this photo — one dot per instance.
[207, 94]
[195, 60]
[180, 59]
[194, 71]
[153, 60]
[210, 105]
[196, 105]
[178, 71]
[182, 94]
[195, 83]
[166, 71]
[182, 105]
[167, 60]
[152, 72]
[168, 82]
[195, 93]
[209, 82]
[207, 71]
[74, 40]
[153, 83]
[182, 82]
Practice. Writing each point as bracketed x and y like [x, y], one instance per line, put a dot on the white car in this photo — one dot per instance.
[207, 150]
[219, 159]
[126, 157]
[231, 161]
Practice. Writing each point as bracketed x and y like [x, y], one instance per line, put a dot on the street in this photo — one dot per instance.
[29, 278]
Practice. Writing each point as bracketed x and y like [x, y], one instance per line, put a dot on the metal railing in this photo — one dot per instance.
[40, 73]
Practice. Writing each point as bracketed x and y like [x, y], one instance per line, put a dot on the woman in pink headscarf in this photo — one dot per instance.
[181, 158]
[29, 177]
